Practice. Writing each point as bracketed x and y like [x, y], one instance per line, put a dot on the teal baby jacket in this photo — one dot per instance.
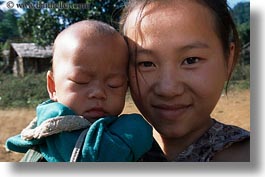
[109, 139]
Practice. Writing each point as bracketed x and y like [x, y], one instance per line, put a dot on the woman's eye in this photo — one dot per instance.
[190, 60]
[146, 64]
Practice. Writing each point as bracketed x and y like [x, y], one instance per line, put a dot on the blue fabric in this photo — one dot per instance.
[109, 139]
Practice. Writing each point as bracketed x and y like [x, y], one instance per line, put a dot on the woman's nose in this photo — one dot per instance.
[169, 83]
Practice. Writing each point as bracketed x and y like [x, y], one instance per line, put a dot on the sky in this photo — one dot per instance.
[231, 3]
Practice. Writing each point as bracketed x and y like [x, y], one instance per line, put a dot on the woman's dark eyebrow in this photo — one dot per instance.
[188, 46]
[194, 45]
[141, 51]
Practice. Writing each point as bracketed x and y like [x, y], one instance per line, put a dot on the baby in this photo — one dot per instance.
[87, 87]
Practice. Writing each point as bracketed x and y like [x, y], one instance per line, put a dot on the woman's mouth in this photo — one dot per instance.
[171, 111]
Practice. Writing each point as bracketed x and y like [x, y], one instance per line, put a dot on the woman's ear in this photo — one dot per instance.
[51, 86]
[230, 62]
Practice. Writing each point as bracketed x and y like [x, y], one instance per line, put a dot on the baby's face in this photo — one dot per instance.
[91, 77]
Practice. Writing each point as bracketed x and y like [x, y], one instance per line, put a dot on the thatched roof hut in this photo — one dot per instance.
[29, 57]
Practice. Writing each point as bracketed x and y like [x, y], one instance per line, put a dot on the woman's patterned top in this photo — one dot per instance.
[218, 137]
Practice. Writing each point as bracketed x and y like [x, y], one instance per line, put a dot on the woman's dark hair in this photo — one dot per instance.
[225, 26]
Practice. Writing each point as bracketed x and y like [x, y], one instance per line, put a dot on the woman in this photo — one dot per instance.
[182, 54]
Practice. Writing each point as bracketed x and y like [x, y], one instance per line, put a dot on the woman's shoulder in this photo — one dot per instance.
[216, 140]
[232, 143]
[237, 152]
[225, 133]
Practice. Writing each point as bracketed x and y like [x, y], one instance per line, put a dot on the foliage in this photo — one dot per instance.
[8, 31]
[1, 12]
[244, 32]
[8, 25]
[39, 28]
[239, 85]
[241, 12]
[241, 15]
[28, 91]
[43, 24]
[241, 72]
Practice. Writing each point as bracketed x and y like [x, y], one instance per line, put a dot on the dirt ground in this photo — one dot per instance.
[231, 109]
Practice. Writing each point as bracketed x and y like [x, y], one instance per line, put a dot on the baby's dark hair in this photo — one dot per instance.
[224, 25]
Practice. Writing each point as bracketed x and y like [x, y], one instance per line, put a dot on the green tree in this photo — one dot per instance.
[8, 31]
[241, 12]
[1, 12]
[42, 25]
[8, 25]
[244, 33]
[241, 15]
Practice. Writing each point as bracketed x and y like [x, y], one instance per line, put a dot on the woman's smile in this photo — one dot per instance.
[167, 111]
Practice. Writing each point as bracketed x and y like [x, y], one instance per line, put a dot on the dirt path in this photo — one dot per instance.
[232, 109]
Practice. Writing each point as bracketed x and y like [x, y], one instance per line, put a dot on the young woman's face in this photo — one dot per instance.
[179, 70]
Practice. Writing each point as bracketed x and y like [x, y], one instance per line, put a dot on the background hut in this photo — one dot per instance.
[29, 58]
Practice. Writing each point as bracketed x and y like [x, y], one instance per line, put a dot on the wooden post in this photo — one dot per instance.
[21, 66]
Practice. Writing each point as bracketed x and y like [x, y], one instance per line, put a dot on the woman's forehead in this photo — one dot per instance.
[154, 10]
[169, 15]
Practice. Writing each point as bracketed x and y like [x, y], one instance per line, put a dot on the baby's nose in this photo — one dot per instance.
[97, 91]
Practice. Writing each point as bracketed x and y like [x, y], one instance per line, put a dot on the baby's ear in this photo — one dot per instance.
[51, 86]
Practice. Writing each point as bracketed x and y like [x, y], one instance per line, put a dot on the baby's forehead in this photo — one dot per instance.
[79, 36]
[86, 32]
[76, 41]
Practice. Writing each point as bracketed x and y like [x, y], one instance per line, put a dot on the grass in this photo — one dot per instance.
[28, 91]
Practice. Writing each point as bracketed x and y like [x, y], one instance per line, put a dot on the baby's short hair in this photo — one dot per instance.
[88, 29]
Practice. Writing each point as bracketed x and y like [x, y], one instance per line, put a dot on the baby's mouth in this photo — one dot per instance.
[94, 114]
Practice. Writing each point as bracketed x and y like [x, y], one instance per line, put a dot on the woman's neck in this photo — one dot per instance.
[171, 147]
